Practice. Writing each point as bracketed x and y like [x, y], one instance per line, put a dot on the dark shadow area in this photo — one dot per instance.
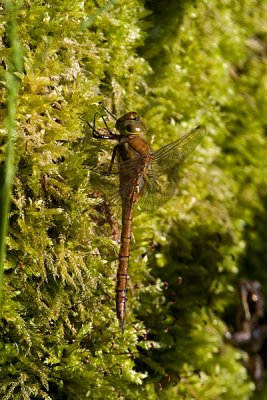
[193, 282]
[246, 316]
[162, 29]
[254, 260]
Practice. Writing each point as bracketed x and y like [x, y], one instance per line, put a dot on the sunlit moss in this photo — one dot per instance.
[179, 66]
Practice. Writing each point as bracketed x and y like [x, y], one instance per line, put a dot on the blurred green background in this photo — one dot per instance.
[178, 64]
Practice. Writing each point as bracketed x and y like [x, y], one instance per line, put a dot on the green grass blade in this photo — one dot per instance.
[7, 169]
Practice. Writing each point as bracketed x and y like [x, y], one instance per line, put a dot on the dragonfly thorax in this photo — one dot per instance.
[130, 124]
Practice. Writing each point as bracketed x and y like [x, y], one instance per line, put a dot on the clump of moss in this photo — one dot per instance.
[197, 63]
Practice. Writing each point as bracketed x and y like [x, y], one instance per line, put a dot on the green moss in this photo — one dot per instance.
[179, 66]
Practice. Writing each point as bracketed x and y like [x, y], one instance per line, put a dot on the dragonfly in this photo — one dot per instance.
[145, 177]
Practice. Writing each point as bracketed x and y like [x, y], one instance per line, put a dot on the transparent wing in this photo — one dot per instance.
[132, 167]
[161, 180]
[156, 193]
[110, 185]
[173, 154]
[102, 168]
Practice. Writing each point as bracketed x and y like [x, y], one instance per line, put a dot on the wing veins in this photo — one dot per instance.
[194, 136]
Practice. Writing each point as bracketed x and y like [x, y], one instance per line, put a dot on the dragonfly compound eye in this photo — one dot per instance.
[130, 123]
[135, 126]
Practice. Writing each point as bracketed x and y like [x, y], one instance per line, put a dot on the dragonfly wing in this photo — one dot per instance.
[163, 175]
[110, 185]
[103, 168]
[132, 167]
[156, 192]
[173, 154]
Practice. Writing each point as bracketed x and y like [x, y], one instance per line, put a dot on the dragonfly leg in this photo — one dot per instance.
[107, 127]
[109, 112]
[97, 135]
[112, 159]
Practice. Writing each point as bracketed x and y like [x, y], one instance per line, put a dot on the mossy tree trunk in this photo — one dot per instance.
[178, 66]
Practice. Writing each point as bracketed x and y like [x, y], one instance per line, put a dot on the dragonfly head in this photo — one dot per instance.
[130, 123]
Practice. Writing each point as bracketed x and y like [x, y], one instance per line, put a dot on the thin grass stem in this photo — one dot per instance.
[7, 169]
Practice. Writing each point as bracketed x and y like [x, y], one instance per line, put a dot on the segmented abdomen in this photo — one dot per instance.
[122, 274]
